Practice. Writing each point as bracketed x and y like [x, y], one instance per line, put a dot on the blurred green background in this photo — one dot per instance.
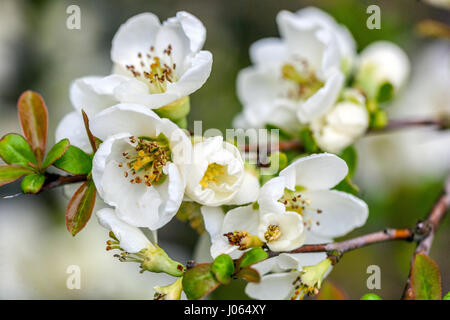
[38, 52]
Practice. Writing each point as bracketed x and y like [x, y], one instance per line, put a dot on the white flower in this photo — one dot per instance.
[135, 246]
[295, 208]
[154, 65]
[343, 124]
[381, 63]
[140, 166]
[219, 176]
[304, 188]
[298, 77]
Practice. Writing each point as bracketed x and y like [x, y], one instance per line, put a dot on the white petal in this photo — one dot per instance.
[241, 219]
[341, 212]
[249, 190]
[299, 260]
[193, 28]
[194, 76]
[268, 51]
[93, 94]
[134, 36]
[213, 219]
[276, 286]
[266, 266]
[72, 128]
[315, 172]
[323, 99]
[131, 239]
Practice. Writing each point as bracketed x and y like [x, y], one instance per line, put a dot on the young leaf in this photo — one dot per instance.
[14, 149]
[74, 161]
[223, 268]
[80, 207]
[426, 278]
[55, 153]
[33, 183]
[350, 156]
[385, 92]
[308, 140]
[199, 281]
[9, 174]
[33, 117]
[249, 275]
[251, 257]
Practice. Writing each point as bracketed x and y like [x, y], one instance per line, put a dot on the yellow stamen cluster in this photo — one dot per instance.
[156, 73]
[273, 233]
[296, 202]
[307, 84]
[145, 164]
[212, 173]
[243, 240]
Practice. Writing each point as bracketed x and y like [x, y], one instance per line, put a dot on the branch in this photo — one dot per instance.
[439, 123]
[53, 181]
[429, 227]
[56, 180]
[337, 249]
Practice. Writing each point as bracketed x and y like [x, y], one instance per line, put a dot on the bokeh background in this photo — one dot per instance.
[400, 174]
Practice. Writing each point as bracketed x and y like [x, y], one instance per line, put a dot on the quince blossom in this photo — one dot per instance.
[140, 167]
[298, 77]
[155, 65]
[219, 175]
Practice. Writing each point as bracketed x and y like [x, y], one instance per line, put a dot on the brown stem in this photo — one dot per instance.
[282, 146]
[440, 123]
[429, 228]
[54, 180]
[337, 249]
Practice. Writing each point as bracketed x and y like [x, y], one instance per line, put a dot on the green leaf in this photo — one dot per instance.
[33, 183]
[308, 140]
[223, 268]
[329, 291]
[252, 256]
[425, 278]
[9, 174]
[74, 161]
[199, 281]
[348, 186]
[447, 296]
[378, 119]
[282, 133]
[371, 296]
[350, 156]
[79, 209]
[385, 92]
[14, 149]
[55, 153]
[249, 275]
[33, 117]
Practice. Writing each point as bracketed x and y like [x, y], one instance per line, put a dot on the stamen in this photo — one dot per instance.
[273, 233]
[212, 173]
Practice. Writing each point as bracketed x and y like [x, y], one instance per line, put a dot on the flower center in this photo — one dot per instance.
[212, 174]
[305, 81]
[145, 163]
[155, 71]
[273, 233]
[296, 202]
[243, 239]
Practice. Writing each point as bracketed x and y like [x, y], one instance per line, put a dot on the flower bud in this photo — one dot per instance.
[170, 292]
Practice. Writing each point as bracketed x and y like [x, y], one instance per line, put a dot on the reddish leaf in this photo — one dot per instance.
[33, 117]
[199, 281]
[249, 275]
[79, 209]
[329, 291]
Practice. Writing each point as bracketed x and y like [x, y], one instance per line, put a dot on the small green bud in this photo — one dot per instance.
[379, 119]
[371, 296]
[175, 111]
